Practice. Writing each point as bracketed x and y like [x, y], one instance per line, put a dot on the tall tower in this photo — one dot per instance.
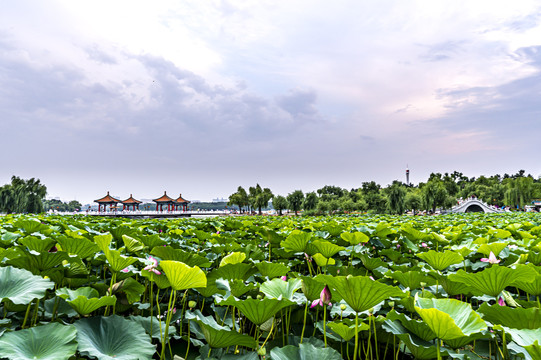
[407, 176]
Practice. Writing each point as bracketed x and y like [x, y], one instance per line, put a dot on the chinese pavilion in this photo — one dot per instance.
[181, 202]
[130, 202]
[107, 200]
[164, 200]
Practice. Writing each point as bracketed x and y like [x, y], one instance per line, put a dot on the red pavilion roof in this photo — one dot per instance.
[164, 198]
[107, 199]
[181, 200]
[131, 200]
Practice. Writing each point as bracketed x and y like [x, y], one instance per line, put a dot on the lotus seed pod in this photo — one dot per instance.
[259, 296]
[192, 304]
[343, 307]
[262, 351]
[423, 284]
[391, 304]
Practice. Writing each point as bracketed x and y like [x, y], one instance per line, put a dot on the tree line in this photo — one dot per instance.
[440, 191]
[22, 196]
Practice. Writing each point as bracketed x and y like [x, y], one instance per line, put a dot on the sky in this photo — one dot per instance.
[199, 97]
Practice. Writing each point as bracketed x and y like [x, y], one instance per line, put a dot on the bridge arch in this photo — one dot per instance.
[474, 205]
[474, 208]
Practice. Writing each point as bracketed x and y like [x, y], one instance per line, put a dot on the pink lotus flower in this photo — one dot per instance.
[152, 267]
[125, 270]
[424, 245]
[284, 278]
[501, 301]
[324, 298]
[491, 259]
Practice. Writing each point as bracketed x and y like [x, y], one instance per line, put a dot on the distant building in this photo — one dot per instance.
[219, 200]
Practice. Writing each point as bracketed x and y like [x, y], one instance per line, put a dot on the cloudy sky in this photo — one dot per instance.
[199, 97]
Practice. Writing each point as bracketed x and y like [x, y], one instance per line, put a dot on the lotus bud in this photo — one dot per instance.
[501, 301]
[371, 311]
[65, 262]
[248, 297]
[423, 284]
[192, 304]
[325, 295]
[284, 278]
[343, 307]
[46, 277]
[262, 351]
[391, 304]
[259, 296]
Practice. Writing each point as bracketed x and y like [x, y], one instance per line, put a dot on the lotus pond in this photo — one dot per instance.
[343, 287]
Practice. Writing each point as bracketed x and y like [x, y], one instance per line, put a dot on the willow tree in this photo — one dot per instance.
[22, 196]
[259, 197]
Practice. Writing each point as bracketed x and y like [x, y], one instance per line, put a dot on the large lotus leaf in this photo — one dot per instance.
[190, 259]
[80, 246]
[116, 261]
[327, 248]
[233, 258]
[355, 237]
[237, 287]
[418, 347]
[439, 238]
[182, 276]
[271, 236]
[322, 260]
[371, 262]
[272, 270]
[48, 342]
[410, 279]
[451, 287]
[211, 289]
[222, 337]
[85, 300]
[37, 244]
[530, 339]
[258, 311]
[30, 226]
[360, 292]
[499, 233]
[151, 241]
[531, 286]
[518, 318]
[311, 288]
[449, 318]
[461, 342]
[36, 263]
[131, 288]
[494, 279]
[233, 271]
[132, 245]
[304, 351]
[346, 332]
[156, 332]
[417, 327]
[441, 260]
[21, 286]
[297, 241]
[113, 338]
[118, 231]
[7, 239]
[277, 288]
[412, 233]
[495, 248]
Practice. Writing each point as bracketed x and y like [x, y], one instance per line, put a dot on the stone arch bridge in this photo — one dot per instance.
[474, 205]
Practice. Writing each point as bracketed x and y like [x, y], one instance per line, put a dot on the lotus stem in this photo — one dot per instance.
[376, 339]
[356, 336]
[268, 336]
[25, 315]
[172, 297]
[438, 349]
[304, 323]
[325, 324]
[188, 347]
[151, 303]
[36, 311]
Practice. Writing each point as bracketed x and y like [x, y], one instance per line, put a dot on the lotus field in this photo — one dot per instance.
[342, 287]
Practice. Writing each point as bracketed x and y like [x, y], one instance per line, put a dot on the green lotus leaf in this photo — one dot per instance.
[271, 236]
[118, 231]
[160, 280]
[156, 333]
[8, 238]
[85, 300]
[113, 338]
[116, 261]
[326, 248]
[297, 241]
[346, 332]
[371, 263]
[233, 258]
[233, 271]
[419, 348]
[304, 351]
[355, 237]
[131, 288]
[30, 226]
[311, 288]
[190, 259]
[36, 263]
[417, 327]
[151, 241]
[223, 337]
[80, 246]
[449, 318]
[48, 342]
[258, 311]
[272, 270]
[322, 260]
[21, 286]
[517, 318]
[439, 238]
[500, 233]
[37, 244]
[211, 289]
[530, 339]
[531, 286]
[182, 276]
[495, 248]
[410, 279]
[441, 260]
[277, 288]
[412, 233]
[132, 244]
[492, 280]
[360, 292]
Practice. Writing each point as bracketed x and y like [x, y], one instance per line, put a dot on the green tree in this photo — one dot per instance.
[519, 191]
[22, 196]
[240, 198]
[413, 200]
[295, 200]
[279, 203]
[396, 195]
[310, 201]
[259, 197]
